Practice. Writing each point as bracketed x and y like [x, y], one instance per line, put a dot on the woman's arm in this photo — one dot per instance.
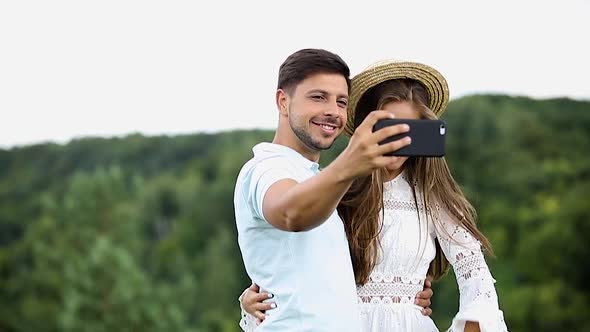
[253, 305]
[478, 300]
[472, 327]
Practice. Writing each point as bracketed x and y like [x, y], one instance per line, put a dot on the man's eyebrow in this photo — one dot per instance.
[324, 92]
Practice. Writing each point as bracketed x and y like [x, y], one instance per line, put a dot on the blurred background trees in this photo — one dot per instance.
[138, 233]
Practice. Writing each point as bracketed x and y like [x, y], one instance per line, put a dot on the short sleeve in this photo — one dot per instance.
[265, 174]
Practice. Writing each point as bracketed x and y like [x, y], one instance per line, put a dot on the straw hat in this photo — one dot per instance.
[435, 83]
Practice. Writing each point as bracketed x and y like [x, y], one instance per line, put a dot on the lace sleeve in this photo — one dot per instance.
[478, 301]
[247, 321]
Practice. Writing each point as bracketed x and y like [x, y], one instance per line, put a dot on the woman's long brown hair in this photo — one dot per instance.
[362, 204]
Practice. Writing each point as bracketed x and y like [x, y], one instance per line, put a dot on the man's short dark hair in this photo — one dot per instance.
[307, 62]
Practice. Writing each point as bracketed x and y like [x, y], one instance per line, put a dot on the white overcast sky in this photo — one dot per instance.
[103, 68]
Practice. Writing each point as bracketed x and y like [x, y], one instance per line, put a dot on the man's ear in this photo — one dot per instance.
[282, 100]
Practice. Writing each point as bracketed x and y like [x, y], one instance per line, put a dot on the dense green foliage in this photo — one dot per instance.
[137, 233]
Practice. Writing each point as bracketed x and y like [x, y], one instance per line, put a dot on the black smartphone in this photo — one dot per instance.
[428, 137]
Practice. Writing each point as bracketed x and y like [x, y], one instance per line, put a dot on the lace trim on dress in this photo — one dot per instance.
[393, 204]
[469, 264]
[389, 289]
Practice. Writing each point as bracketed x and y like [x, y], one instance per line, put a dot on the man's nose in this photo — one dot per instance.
[333, 109]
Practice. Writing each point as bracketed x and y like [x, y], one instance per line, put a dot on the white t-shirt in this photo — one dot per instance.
[310, 273]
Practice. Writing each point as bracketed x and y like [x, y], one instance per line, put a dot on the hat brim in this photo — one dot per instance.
[435, 83]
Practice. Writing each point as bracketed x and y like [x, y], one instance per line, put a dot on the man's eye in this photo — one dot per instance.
[317, 97]
[343, 103]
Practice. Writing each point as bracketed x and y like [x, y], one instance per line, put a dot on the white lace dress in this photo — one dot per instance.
[386, 302]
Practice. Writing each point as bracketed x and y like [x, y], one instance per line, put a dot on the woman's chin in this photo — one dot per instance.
[393, 167]
[396, 166]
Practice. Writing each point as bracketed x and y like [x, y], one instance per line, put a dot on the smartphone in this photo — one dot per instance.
[428, 137]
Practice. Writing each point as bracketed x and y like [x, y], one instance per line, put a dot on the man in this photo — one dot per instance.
[292, 240]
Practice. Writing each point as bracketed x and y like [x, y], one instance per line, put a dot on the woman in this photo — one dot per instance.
[411, 219]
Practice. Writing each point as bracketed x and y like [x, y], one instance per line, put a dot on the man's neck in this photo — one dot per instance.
[298, 146]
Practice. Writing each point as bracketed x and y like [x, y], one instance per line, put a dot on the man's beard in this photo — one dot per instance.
[306, 138]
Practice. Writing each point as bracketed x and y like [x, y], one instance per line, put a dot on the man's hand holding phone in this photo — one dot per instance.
[364, 152]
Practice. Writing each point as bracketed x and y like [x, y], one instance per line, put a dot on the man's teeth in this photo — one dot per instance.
[327, 127]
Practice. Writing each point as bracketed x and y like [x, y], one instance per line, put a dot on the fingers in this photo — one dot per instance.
[254, 287]
[426, 311]
[365, 133]
[389, 131]
[260, 316]
[424, 303]
[373, 140]
[367, 150]
[261, 307]
[253, 303]
[254, 300]
[425, 294]
[258, 301]
[260, 297]
[258, 309]
[264, 306]
[423, 298]
[393, 146]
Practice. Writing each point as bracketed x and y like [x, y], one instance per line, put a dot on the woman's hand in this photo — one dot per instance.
[252, 302]
[423, 298]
